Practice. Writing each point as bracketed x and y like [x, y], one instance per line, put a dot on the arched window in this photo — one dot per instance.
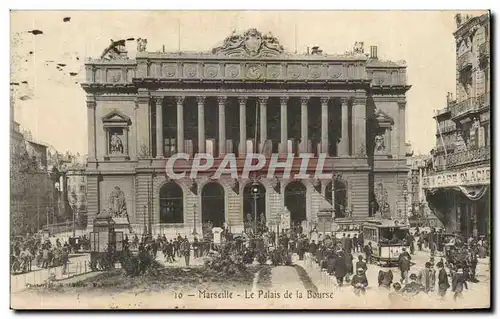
[171, 204]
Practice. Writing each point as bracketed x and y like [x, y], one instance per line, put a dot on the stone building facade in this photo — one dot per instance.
[141, 111]
[458, 185]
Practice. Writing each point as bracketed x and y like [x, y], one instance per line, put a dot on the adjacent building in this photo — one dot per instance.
[458, 185]
[246, 95]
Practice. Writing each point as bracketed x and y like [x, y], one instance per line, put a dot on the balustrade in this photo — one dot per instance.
[468, 156]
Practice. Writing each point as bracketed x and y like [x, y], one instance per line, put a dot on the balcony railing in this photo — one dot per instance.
[446, 129]
[468, 157]
[464, 61]
[472, 104]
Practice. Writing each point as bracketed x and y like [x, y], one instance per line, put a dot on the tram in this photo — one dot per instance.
[388, 238]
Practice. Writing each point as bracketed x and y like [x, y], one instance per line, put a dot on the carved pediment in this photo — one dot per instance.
[251, 43]
[116, 116]
[383, 119]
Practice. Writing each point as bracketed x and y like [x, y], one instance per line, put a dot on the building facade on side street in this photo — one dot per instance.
[30, 183]
[142, 111]
[458, 184]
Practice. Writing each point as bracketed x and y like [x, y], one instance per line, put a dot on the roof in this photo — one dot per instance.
[376, 63]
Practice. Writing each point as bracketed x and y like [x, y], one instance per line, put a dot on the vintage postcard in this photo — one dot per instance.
[250, 160]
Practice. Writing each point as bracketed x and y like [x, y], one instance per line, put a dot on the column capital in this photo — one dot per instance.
[402, 104]
[304, 100]
[221, 99]
[91, 104]
[324, 99]
[344, 100]
[158, 99]
[179, 99]
[142, 99]
[284, 100]
[262, 99]
[201, 99]
[242, 99]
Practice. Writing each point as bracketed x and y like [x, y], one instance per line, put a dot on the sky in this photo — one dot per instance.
[52, 104]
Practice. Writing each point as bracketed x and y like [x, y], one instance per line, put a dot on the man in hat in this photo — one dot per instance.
[359, 282]
[339, 267]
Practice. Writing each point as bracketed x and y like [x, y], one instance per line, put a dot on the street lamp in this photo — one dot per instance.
[195, 233]
[255, 193]
[405, 197]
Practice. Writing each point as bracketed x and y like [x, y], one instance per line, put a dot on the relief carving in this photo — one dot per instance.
[211, 71]
[273, 71]
[169, 70]
[232, 71]
[190, 71]
[253, 72]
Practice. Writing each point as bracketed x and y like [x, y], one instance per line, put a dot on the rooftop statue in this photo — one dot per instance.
[252, 43]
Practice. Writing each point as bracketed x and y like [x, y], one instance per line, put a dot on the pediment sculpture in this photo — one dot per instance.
[252, 43]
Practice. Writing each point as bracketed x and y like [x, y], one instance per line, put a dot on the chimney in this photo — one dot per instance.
[373, 52]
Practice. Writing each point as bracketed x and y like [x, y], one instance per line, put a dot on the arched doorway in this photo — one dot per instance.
[171, 204]
[213, 204]
[340, 200]
[248, 204]
[295, 201]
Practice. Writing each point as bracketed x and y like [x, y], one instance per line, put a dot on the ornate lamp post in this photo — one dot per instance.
[195, 233]
[405, 197]
[255, 194]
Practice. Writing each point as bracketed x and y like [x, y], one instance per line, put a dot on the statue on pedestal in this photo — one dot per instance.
[116, 144]
[379, 144]
[117, 203]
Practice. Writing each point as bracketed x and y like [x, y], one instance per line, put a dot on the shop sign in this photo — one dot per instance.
[465, 177]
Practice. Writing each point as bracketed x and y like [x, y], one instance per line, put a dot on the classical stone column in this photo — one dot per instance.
[402, 129]
[344, 140]
[222, 125]
[303, 124]
[359, 126]
[159, 127]
[125, 144]
[324, 124]
[243, 126]
[201, 124]
[142, 124]
[284, 125]
[263, 122]
[388, 141]
[91, 104]
[180, 124]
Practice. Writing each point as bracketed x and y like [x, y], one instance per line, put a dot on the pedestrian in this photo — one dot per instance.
[355, 243]
[360, 242]
[385, 279]
[339, 267]
[359, 282]
[425, 277]
[458, 283]
[348, 265]
[196, 248]
[343, 242]
[368, 252]
[404, 265]
[443, 283]
[420, 242]
[65, 260]
[411, 242]
[186, 250]
[348, 244]
[361, 264]
[396, 296]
